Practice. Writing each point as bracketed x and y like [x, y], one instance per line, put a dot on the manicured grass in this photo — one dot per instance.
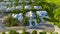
[57, 2]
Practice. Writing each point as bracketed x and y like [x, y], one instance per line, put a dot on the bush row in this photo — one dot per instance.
[24, 32]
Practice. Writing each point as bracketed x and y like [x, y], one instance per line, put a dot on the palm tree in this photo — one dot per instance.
[57, 14]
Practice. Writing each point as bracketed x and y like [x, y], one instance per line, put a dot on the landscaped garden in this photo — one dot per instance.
[52, 9]
[51, 6]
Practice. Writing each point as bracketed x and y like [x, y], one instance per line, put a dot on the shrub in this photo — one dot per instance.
[27, 32]
[12, 22]
[13, 32]
[24, 32]
[42, 32]
[25, 22]
[51, 32]
[34, 32]
[8, 24]
[38, 19]
[3, 33]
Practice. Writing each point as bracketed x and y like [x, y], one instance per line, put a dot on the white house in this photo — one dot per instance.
[29, 7]
[29, 14]
[18, 16]
[37, 7]
[19, 7]
[15, 16]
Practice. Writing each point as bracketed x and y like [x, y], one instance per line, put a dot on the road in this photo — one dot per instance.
[57, 29]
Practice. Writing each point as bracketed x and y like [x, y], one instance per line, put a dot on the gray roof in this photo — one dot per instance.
[15, 15]
[41, 12]
[2, 2]
[19, 7]
[8, 3]
[10, 8]
[2, 7]
[28, 7]
[18, 16]
[37, 7]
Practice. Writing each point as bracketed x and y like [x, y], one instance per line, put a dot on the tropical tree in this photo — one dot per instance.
[25, 22]
[3, 33]
[12, 21]
[34, 32]
[13, 32]
[24, 31]
[57, 14]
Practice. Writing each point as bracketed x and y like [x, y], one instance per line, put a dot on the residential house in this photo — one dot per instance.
[37, 7]
[10, 8]
[28, 7]
[18, 16]
[42, 14]
[32, 17]
[19, 7]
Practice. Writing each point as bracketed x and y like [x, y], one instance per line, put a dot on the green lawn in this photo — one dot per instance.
[57, 2]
